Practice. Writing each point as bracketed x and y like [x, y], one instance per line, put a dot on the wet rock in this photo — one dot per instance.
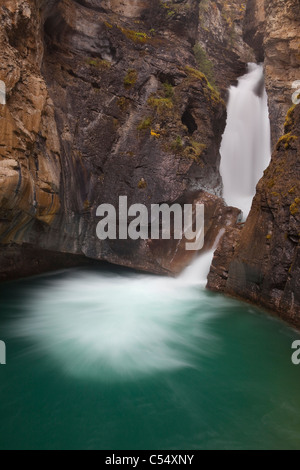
[261, 263]
[105, 99]
[272, 29]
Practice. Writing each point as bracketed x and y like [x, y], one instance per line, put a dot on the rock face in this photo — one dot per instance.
[263, 264]
[29, 143]
[272, 29]
[254, 27]
[105, 99]
[220, 40]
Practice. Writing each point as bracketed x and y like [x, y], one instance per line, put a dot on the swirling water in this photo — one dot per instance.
[120, 360]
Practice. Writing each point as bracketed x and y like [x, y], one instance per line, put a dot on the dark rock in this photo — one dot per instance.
[272, 30]
[105, 100]
[18, 261]
[265, 265]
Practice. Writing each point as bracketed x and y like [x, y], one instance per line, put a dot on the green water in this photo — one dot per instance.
[119, 361]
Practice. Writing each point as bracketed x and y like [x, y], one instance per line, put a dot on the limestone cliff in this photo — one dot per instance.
[263, 263]
[260, 261]
[29, 143]
[220, 46]
[272, 29]
[106, 99]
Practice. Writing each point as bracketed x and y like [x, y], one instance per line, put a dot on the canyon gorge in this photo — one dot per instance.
[106, 99]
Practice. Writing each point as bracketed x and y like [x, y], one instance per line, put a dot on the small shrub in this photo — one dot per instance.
[195, 150]
[135, 36]
[294, 209]
[194, 73]
[161, 105]
[99, 63]
[169, 90]
[123, 103]
[290, 116]
[286, 140]
[177, 145]
[142, 184]
[145, 124]
[204, 64]
[130, 78]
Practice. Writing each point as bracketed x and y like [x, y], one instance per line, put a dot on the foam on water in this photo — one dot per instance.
[110, 326]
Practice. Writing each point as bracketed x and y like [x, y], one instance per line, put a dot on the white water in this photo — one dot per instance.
[246, 145]
[111, 326]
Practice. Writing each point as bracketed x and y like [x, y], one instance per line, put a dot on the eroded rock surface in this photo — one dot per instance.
[260, 262]
[104, 99]
[272, 28]
[263, 263]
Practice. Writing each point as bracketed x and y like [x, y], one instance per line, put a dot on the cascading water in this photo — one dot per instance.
[118, 326]
[246, 144]
[113, 359]
[119, 360]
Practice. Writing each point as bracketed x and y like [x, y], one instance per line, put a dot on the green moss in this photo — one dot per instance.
[161, 105]
[194, 151]
[145, 124]
[294, 208]
[177, 145]
[130, 78]
[173, 8]
[171, 13]
[98, 63]
[204, 64]
[286, 140]
[123, 103]
[169, 90]
[290, 116]
[142, 184]
[194, 73]
[135, 36]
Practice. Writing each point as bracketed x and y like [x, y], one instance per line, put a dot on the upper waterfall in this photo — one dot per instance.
[246, 144]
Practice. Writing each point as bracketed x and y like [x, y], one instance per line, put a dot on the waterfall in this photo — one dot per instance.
[246, 144]
[196, 273]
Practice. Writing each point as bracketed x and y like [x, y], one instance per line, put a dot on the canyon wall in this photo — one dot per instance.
[220, 40]
[272, 29]
[108, 99]
[260, 261]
